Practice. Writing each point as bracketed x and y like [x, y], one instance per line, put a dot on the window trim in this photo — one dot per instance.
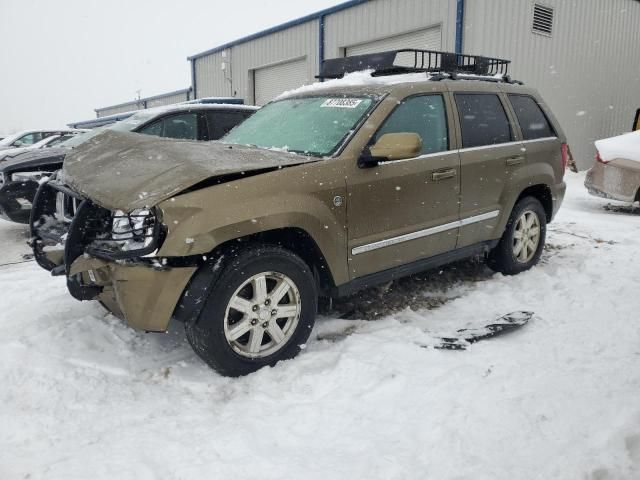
[376, 101]
[513, 138]
[509, 144]
[422, 155]
[636, 122]
[544, 114]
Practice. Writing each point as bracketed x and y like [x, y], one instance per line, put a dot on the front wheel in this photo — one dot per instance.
[260, 310]
[523, 239]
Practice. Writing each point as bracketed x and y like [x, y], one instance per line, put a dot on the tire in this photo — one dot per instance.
[507, 257]
[239, 330]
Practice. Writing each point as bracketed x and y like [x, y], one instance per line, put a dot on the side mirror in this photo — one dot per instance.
[391, 146]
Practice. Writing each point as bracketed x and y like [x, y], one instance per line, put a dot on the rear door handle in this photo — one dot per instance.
[443, 174]
[515, 161]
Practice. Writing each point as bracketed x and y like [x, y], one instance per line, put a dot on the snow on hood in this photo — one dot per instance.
[623, 146]
[122, 170]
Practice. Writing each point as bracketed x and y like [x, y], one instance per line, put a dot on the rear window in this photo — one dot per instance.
[482, 119]
[533, 122]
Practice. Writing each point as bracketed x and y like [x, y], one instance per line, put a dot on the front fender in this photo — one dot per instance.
[303, 198]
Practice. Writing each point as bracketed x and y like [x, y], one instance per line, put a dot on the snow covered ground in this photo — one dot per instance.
[85, 397]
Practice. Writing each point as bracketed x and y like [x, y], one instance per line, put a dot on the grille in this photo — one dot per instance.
[542, 19]
[66, 207]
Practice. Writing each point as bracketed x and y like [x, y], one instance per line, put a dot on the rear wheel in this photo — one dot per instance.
[523, 239]
[261, 309]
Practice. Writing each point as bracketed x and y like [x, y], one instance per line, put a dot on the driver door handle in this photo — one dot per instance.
[443, 174]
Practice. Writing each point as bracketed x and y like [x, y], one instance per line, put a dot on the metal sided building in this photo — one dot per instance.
[149, 102]
[583, 56]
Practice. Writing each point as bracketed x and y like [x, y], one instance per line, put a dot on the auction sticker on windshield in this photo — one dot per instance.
[342, 103]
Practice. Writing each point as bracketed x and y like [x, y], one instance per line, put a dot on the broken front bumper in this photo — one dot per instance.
[141, 291]
[145, 297]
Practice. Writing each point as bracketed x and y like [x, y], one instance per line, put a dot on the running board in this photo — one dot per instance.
[418, 266]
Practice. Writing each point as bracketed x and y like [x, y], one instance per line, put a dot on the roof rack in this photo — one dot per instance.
[409, 60]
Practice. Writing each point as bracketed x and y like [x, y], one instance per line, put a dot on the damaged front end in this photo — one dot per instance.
[107, 255]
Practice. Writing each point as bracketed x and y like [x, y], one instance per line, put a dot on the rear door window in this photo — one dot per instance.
[183, 126]
[220, 122]
[424, 115]
[28, 139]
[483, 120]
[533, 122]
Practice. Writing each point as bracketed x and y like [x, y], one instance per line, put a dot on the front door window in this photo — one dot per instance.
[424, 115]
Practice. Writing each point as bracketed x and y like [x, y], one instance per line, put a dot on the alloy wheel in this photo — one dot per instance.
[262, 315]
[526, 236]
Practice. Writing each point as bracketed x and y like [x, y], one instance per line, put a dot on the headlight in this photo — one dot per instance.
[135, 234]
[133, 230]
[29, 176]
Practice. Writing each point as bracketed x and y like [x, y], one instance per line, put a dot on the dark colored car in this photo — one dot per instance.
[19, 176]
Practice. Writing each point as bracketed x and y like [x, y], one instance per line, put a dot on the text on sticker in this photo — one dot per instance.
[341, 103]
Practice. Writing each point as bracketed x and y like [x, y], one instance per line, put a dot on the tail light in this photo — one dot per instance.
[599, 158]
[567, 158]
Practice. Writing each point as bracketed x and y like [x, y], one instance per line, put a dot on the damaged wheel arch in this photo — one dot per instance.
[294, 240]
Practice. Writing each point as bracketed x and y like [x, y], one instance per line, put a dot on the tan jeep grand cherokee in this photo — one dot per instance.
[326, 190]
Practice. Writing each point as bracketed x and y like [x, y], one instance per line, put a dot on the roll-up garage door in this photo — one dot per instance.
[426, 39]
[271, 81]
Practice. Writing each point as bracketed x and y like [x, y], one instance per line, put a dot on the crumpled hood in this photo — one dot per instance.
[122, 170]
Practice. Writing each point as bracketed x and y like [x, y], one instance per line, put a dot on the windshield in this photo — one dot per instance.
[314, 126]
[126, 125]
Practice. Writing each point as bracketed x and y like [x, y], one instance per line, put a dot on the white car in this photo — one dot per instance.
[28, 138]
[47, 142]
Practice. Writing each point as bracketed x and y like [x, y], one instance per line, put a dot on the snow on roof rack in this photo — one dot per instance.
[408, 60]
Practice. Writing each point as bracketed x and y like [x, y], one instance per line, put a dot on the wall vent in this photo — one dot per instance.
[542, 19]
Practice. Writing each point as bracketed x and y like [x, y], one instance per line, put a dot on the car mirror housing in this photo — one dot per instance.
[396, 146]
